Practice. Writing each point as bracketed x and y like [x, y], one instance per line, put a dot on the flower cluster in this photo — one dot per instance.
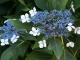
[10, 33]
[53, 23]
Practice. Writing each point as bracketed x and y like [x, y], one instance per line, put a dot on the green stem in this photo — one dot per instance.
[26, 41]
[11, 9]
[19, 45]
[72, 51]
[54, 37]
[76, 51]
[48, 5]
[62, 40]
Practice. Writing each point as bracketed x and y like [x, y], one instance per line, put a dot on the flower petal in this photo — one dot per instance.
[34, 9]
[31, 11]
[2, 44]
[33, 29]
[67, 45]
[31, 32]
[44, 42]
[41, 46]
[2, 40]
[69, 28]
[22, 17]
[77, 30]
[26, 15]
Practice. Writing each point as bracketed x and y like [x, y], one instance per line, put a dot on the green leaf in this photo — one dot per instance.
[13, 16]
[25, 9]
[21, 26]
[77, 23]
[54, 57]
[69, 3]
[3, 1]
[22, 2]
[41, 4]
[3, 9]
[1, 31]
[21, 7]
[37, 55]
[67, 56]
[17, 49]
[28, 37]
[57, 4]
[56, 46]
[77, 46]
[76, 4]
[45, 49]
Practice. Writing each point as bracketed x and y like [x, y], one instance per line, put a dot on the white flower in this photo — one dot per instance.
[4, 42]
[42, 43]
[77, 30]
[14, 38]
[33, 12]
[70, 44]
[25, 18]
[35, 32]
[72, 7]
[70, 27]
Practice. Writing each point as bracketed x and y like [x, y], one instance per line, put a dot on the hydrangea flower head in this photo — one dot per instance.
[10, 33]
[53, 22]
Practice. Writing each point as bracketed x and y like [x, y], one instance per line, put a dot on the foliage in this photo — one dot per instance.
[27, 46]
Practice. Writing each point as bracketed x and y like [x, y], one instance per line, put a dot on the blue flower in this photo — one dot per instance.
[53, 23]
[10, 33]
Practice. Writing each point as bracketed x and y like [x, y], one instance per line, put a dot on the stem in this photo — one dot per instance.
[76, 51]
[62, 40]
[71, 51]
[26, 41]
[67, 39]
[11, 9]
[54, 37]
[70, 48]
[48, 5]
[19, 45]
